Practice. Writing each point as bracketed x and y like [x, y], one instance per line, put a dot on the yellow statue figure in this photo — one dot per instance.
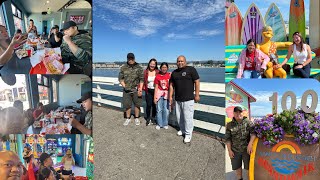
[270, 48]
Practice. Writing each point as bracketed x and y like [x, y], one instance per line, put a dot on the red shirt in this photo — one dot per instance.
[250, 63]
[36, 113]
[162, 81]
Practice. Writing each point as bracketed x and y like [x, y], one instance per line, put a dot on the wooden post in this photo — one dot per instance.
[99, 95]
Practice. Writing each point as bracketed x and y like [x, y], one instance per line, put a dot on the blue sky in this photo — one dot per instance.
[263, 5]
[161, 29]
[262, 89]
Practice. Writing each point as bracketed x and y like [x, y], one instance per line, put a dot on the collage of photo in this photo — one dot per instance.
[45, 90]
[159, 90]
[272, 84]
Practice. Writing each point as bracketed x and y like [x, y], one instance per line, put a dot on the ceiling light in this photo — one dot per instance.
[48, 2]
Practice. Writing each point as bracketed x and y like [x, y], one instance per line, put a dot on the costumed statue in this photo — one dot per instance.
[270, 48]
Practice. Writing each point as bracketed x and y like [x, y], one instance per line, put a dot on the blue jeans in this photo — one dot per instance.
[162, 112]
[302, 72]
[251, 74]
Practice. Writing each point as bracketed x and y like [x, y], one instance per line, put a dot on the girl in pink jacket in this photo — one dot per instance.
[252, 62]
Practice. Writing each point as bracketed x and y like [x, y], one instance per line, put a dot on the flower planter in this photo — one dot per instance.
[284, 160]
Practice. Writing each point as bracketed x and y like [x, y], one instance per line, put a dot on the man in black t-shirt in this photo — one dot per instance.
[55, 38]
[184, 81]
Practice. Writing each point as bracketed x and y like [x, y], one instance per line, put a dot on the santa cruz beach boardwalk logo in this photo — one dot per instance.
[286, 161]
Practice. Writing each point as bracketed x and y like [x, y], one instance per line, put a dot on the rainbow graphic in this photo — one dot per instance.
[294, 148]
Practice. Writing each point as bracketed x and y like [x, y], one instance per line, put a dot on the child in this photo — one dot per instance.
[161, 95]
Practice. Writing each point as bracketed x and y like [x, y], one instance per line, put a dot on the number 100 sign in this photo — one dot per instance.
[304, 107]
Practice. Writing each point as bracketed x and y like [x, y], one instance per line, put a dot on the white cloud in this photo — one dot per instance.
[209, 32]
[174, 36]
[260, 110]
[197, 35]
[262, 96]
[145, 17]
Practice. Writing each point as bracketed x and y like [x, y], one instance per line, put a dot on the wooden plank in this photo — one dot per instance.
[107, 92]
[209, 126]
[112, 103]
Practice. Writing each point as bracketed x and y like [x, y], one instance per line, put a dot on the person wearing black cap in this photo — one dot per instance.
[82, 113]
[86, 128]
[46, 162]
[239, 139]
[76, 49]
[47, 174]
[55, 37]
[131, 78]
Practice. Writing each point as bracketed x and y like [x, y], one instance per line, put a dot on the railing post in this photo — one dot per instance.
[99, 95]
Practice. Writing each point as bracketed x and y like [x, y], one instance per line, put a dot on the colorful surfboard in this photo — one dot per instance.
[274, 19]
[252, 25]
[314, 29]
[297, 20]
[233, 24]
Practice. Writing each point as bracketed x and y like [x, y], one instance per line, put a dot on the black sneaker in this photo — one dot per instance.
[149, 122]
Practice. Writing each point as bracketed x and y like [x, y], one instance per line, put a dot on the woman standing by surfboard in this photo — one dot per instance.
[252, 61]
[302, 56]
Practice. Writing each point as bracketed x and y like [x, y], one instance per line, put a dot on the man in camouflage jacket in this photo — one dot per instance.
[131, 78]
[86, 128]
[239, 139]
[76, 49]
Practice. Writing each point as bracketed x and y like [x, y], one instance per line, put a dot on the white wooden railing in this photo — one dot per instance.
[207, 89]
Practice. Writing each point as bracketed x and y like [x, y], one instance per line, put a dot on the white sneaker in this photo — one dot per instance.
[166, 127]
[157, 127]
[126, 122]
[187, 139]
[137, 121]
[179, 133]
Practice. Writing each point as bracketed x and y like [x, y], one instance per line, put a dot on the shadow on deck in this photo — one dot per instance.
[142, 152]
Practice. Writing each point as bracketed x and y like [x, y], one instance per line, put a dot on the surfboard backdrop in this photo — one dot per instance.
[274, 19]
[297, 20]
[314, 31]
[252, 25]
[233, 24]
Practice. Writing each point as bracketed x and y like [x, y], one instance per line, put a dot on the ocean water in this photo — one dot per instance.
[212, 75]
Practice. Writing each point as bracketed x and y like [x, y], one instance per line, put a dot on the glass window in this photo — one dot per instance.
[13, 9]
[45, 81]
[55, 91]
[9, 94]
[17, 23]
[2, 20]
[43, 95]
[39, 79]
[17, 17]
[19, 14]
[25, 23]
